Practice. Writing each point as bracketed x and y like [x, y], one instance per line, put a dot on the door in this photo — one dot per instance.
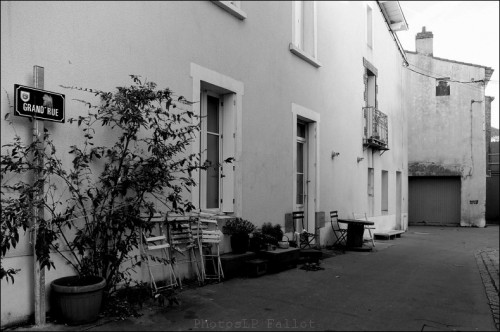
[434, 200]
[301, 175]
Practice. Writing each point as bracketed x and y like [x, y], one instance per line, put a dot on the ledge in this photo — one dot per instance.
[232, 9]
[304, 56]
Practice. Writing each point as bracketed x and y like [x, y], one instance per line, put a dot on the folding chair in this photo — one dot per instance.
[342, 237]
[182, 241]
[305, 237]
[154, 247]
[362, 216]
[208, 238]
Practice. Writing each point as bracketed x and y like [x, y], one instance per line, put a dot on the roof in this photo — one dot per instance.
[488, 71]
[394, 15]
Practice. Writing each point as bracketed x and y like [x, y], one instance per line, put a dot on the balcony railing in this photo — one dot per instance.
[375, 129]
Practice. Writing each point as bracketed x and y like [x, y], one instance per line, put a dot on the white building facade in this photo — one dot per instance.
[308, 96]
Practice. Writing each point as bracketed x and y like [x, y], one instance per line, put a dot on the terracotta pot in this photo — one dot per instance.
[78, 300]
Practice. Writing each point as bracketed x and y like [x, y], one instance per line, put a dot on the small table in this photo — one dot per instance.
[355, 230]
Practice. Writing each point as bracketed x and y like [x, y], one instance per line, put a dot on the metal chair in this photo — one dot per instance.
[342, 237]
[362, 216]
[208, 237]
[306, 238]
[154, 248]
[182, 241]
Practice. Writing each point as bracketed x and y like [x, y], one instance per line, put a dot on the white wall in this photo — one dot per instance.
[99, 44]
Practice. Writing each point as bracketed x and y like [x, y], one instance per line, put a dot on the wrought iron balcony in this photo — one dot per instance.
[375, 129]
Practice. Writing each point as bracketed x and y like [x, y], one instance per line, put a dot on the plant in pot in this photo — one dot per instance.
[272, 234]
[240, 230]
[91, 209]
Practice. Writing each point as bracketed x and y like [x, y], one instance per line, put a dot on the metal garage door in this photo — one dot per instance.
[434, 200]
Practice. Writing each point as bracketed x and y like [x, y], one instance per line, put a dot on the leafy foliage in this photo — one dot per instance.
[238, 226]
[96, 205]
[272, 234]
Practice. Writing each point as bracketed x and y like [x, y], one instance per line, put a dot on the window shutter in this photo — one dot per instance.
[228, 151]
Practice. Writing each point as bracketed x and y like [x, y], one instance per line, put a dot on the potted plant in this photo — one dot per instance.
[272, 234]
[239, 230]
[94, 205]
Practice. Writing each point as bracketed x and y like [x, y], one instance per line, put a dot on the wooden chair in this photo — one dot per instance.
[155, 250]
[182, 241]
[208, 236]
[306, 238]
[362, 216]
[334, 222]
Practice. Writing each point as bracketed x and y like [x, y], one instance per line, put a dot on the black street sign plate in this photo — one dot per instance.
[39, 104]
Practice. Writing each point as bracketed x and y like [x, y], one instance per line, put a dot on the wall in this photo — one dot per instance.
[98, 45]
[446, 135]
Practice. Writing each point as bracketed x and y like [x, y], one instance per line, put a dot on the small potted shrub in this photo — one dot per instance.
[272, 234]
[239, 229]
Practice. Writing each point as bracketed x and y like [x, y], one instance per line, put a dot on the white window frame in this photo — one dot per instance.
[296, 46]
[233, 92]
[232, 7]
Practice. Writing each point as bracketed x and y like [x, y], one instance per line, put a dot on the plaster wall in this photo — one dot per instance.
[446, 135]
[98, 44]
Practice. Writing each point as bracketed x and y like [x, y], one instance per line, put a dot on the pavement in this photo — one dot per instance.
[430, 279]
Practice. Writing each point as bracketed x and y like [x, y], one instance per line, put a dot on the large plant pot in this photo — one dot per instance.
[78, 300]
[239, 243]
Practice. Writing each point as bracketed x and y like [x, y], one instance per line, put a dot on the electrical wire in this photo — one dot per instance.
[441, 78]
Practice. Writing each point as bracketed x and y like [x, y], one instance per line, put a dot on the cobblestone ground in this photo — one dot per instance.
[487, 261]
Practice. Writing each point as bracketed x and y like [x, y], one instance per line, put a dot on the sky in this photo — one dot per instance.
[465, 31]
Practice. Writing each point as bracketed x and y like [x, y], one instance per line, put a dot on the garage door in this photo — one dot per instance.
[434, 200]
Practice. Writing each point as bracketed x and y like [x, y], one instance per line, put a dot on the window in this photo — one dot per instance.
[213, 142]
[222, 109]
[370, 81]
[442, 88]
[370, 181]
[385, 192]
[217, 144]
[232, 7]
[369, 26]
[304, 43]
[301, 162]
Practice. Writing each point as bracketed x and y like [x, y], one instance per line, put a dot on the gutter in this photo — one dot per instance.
[394, 36]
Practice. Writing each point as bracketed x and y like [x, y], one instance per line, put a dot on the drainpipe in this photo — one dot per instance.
[471, 137]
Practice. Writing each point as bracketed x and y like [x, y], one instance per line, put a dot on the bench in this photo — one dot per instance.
[389, 235]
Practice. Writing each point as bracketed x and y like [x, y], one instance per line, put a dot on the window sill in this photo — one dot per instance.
[232, 9]
[304, 56]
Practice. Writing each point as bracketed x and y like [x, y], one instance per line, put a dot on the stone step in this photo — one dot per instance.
[389, 235]
[256, 267]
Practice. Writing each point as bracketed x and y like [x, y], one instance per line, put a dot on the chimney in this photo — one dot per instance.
[423, 42]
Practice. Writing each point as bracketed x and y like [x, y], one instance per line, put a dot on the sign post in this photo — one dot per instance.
[39, 274]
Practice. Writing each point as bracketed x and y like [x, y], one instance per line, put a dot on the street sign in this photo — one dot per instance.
[39, 104]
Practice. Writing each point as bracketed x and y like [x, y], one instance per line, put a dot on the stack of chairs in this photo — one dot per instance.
[182, 241]
[155, 250]
[208, 236]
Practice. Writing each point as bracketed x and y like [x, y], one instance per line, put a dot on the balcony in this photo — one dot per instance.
[375, 129]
